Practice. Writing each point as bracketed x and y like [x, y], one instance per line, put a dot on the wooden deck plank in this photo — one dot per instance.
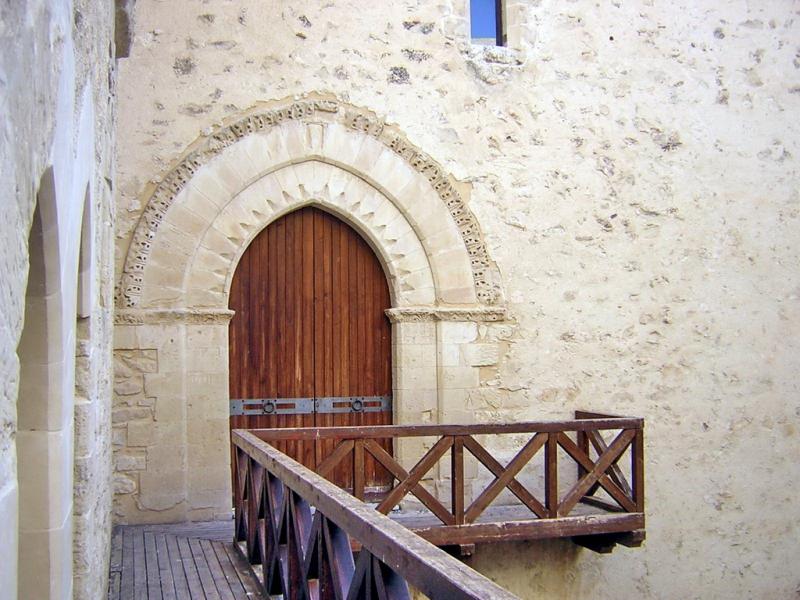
[139, 567]
[176, 567]
[151, 566]
[189, 568]
[220, 581]
[126, 579]
[228, 569]
[203, 570]
[165, 568]
[113, 585]
[248, 580]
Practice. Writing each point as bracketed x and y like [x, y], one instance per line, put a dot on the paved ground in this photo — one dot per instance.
[186, 561]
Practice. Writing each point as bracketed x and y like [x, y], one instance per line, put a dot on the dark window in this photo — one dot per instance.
[487, 23]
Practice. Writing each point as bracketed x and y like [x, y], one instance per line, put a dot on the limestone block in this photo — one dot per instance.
[480, 355]
[421, 296]
[410, 403]
[413, 378]
[217, 242]
[232, 170]
[391, 172]
[287, 180]
[125, 415]
[211, 433]
[212, 281]
[43, 551]
[206, 486]
[160, 490]
[450, 355]
[413, 261]
[453, 401]
[119, 435]
[414, 333]
[166, 383]
[341, 145]
[458, 295]
[137, 361]
[194, 200]
[9, 512]
[256, 204]
[216, 189]
[457, 332]
[130, 460]
[212, 385]
[295, 139]
[459, 377]
[45, 478]
[85, 440]
[125, 337]
[315, 135]
[418, 279]
[166, 457]
[206, 260]
[170, 409]
[128, 386]
[207, 298]
[141, 433]
[44, 408]
[192, 224]
[123, 484]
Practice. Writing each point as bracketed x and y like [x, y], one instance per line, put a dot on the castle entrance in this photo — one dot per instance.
[310, 344]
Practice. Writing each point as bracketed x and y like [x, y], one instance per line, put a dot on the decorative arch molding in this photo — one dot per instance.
[280, 156]
[172, 320]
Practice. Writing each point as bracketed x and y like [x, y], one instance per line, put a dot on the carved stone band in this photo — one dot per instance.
[312, 110]
[173, 316]
[420, 314]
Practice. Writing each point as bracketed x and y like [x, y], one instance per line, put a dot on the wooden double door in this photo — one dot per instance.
[310, 344]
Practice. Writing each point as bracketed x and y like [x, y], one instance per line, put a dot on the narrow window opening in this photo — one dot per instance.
[487, 22]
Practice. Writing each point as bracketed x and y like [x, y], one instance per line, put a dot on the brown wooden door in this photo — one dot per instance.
[309, 296]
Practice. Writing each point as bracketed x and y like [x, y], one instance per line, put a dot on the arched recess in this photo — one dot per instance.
[231, 184]
[44, 433]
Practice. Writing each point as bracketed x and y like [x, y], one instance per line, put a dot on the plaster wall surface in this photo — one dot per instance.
[633, 170]
[56, 133]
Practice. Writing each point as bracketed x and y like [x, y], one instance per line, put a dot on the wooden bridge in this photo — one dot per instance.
[305, 537]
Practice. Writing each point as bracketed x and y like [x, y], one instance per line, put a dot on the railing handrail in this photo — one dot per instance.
[398, 431]
[422, 564]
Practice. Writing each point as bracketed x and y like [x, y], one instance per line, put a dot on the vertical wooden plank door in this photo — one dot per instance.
[310, 335]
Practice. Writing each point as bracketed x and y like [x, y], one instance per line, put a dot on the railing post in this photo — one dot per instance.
[358, 470]
[551, 474]
[256, 487]
[457, 479]
[637, 469]
[583, 444]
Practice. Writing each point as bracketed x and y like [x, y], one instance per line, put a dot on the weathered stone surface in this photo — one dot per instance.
[56, 149]
[647, 241]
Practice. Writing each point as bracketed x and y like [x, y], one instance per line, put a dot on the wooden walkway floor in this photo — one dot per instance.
[186, 561]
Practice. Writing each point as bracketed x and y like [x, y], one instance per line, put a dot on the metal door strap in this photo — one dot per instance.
[307, 406]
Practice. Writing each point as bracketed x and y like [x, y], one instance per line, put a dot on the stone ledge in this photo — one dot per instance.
[211, 316]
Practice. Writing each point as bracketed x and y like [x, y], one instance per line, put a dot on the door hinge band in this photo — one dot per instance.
[307, 406]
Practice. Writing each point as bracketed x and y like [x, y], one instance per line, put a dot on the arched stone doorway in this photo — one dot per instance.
[173, 295]
[309, 342]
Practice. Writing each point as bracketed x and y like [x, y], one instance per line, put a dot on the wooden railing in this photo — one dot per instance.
[296, 528]
[553, 513]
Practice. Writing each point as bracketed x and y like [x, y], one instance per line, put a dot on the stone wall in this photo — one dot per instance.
[56, 146]
[632, 169]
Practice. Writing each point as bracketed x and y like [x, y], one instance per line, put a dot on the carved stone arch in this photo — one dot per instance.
[202, 279]
[232, 182]
[172, 317]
